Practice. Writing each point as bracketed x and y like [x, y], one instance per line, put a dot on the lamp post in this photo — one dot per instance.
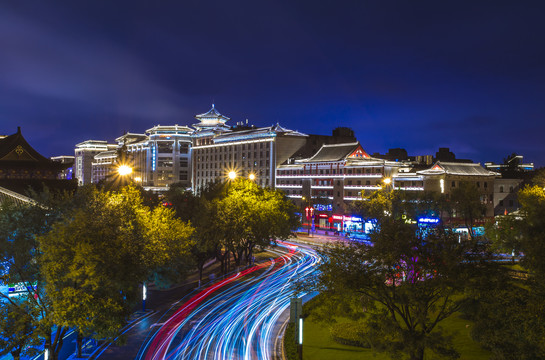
[300, 342]
[144, 296]
[309, 213]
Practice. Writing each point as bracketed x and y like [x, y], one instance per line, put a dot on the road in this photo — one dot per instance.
[239, 317]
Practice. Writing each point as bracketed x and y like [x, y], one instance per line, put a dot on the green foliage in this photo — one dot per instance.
[510, 318]
[539, 178]
[234, 218]
[17, 330]
[350, 333]
[250, 216]
[403, 286]
[290, 347]
[19, 253]
[384, 204]
[95, 258]
[509, 323]
[466, 200]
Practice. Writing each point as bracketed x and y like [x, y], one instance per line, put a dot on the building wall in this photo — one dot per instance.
[505, 195]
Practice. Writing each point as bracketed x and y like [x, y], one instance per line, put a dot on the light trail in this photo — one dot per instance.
[236, 317]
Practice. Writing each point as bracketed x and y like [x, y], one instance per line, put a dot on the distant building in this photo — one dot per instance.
[67, 173]
[445, 155]
[505, 195]
[444, 177]
[84, 157]
[514, 163]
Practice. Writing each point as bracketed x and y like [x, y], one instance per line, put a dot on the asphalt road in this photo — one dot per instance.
[240, 317]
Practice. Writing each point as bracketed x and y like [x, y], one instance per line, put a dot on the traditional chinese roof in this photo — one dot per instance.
[16, 148]
[211, 118]
[467, 169]
[336, 152]
[22, 167]
[254, 133]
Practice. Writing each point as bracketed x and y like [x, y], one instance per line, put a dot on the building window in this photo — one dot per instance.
[501, 188]
[164, 146]
[501, 202]
[454, 184]
[510, 189]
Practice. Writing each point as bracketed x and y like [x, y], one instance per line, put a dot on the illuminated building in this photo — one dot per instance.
[444, 177]
[67, 173]
[168, 156]
[158, 158]
[341, 173]
[84, 157]
[513, 163]
[338, 174]
[219, 149]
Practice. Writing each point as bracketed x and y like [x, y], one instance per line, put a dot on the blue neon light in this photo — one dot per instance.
[428, 220]
[153, 158]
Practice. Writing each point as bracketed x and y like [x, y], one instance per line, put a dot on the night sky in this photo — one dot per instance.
[469, 75]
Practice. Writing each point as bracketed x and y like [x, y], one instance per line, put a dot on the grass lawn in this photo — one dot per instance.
[318, 344]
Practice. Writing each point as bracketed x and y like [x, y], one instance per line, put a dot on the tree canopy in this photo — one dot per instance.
[405, 283]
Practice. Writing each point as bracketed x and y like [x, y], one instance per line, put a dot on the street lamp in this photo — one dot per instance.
[124, 170]
[232, 175]
[251, 176]
[309, 212]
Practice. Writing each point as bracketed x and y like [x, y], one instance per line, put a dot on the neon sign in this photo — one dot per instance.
[427, 220]
[321, 207]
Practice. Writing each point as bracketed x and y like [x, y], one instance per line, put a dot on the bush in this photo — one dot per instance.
[290, 347]
[350, 333]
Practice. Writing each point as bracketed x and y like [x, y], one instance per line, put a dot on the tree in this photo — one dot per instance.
[509, 322]
[17, 330]
[525, 231]
[510, 319]
[199, 210]
[539, 178]
[19, 253]
[250, 216]
[402, 286]
[97, 256]
[466, 201]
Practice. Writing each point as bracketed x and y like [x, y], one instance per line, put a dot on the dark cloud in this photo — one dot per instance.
[419, 75]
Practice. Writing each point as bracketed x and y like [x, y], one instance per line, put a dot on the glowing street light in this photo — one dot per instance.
[387, 181]
[124, 170]
[232, 175]
[251, 177]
